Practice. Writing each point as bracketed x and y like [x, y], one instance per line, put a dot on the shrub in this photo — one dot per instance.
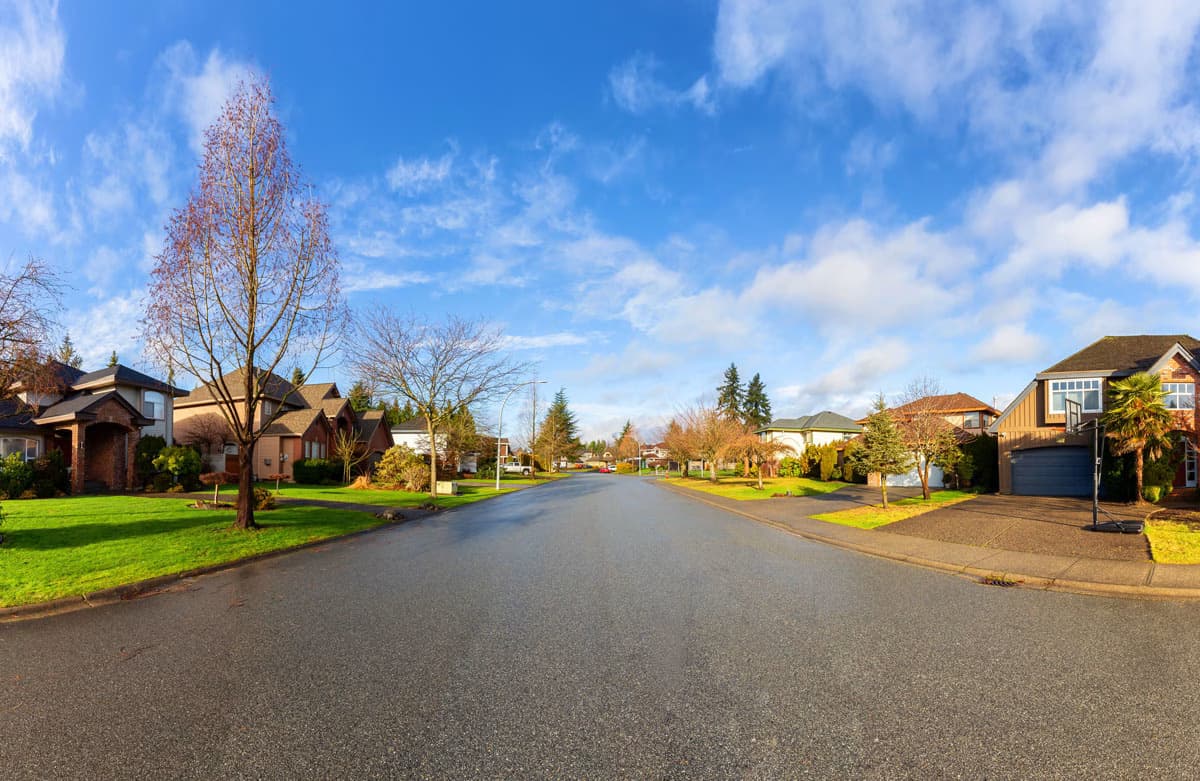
[44, 489]
[162, 483]
[263, 499]
[791, 467]
[486, 471]
[28, 494]
[316, 471]
[626, 468]
[984, 455]
[415, 476]
[182, 463]
[16, 476]
[391, 469]
[52, 469]
[826, 462]
[148, 449]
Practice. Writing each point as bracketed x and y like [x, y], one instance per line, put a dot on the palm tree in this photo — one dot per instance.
[1137, 420]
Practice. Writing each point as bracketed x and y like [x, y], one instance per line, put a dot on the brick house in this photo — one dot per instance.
[300, 423]
[95, 419]
[1038, 457]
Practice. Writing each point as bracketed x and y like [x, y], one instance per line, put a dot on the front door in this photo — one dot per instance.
[1189, 466]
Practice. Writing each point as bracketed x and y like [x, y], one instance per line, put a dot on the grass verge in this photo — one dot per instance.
[66, 547]
[380, 497]
[874, 516]
[1174, 541]
[746, 490]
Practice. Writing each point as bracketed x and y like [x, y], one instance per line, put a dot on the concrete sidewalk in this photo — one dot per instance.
[1074, 573]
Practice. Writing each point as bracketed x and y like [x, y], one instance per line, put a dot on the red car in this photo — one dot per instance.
[603, 470]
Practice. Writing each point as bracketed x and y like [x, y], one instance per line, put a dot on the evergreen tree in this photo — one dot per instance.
[406, 413]
[112, 359]
[559, 433]
[297, 377]
[359, 396]
[756, 407]
[882, 448]
[730, 394]
[66, 353]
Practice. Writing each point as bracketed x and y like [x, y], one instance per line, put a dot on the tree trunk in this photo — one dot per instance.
[924, 470]
[245, 500]
[1137, 471]
[433, 457]
[883, 488]
[760, 471]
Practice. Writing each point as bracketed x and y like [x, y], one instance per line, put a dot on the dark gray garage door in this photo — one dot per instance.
[1052, 471]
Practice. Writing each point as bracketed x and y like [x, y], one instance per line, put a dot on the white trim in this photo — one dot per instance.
[1099, 391]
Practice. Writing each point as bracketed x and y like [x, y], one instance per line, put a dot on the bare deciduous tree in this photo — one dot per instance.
[441, 368]
[680, 444]
[713, 434]
[926, 432]
[758, 451]
[248, 277]
[208, 433]
[29, 303]
[348, 450]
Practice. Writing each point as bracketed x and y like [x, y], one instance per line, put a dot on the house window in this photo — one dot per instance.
[268, 409]
[1180, 395]
[27, 449]
[154, 405]
[971, 419]
[1086, 392]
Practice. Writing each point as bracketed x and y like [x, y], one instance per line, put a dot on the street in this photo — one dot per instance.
[600, 627]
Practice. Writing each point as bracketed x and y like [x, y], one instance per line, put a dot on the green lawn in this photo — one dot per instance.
[66, 547]
[743, 489]
[874, 516]
[468, 493]
[1174, 542]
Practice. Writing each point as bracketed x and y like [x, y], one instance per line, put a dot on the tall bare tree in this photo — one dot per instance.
[927, 434]
[680, 443]
[441, 367]
[759, 452]
[29, 304]
[248, 278]
[712, 432]
[348, 451]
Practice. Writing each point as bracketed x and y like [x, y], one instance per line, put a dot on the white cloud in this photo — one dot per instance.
[1009, 343]
[544, 341]
[112, 324]
[199, 90]
[636, 88]
[416, 175]
[869, 155]
[32, 48]
[362, 280]
[26, 203]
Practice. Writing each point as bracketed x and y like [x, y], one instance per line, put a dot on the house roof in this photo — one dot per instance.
[331, 407]
[16, 416]
[947, 403]
[368, 422]
[316, 393]
[292, 424]
[274, 387]
[416, 424]
[123, 375]
[1122, 355]
[80, 408]
[822, 421]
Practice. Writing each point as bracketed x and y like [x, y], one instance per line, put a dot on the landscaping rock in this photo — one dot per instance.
[390, 515]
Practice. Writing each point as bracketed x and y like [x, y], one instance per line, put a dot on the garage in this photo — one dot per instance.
[911, 479]
[1052, 471]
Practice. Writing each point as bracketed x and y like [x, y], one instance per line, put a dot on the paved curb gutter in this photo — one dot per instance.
[974, 573]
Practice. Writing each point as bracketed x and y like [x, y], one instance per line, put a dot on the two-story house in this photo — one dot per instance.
[297, 423]
[94, 418]
[960, 410]
[808, 431]
[1039, 458]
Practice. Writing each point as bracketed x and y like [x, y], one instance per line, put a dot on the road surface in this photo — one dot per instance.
[600, 627]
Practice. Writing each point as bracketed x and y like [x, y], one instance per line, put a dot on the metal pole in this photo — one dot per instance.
[1095, 475]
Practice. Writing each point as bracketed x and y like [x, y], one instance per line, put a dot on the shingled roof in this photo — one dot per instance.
[1123, 355]
[316, 393]
[79, 408]
[946, 404]
[123, 375]
[275, 387]
[292, 424]
[15, 416]
[822, 421]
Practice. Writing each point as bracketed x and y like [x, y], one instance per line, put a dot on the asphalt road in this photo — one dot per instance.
[600, 628]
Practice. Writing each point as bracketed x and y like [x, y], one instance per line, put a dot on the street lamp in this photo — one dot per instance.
[500, 424]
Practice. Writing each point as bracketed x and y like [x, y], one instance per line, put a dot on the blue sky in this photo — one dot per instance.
[641, 193]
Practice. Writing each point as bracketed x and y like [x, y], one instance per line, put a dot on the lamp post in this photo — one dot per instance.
[500, 424]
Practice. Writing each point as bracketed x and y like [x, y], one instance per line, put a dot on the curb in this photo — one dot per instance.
[976, 574]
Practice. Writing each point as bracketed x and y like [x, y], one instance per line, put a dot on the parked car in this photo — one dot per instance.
[603, 470]
[514, 468]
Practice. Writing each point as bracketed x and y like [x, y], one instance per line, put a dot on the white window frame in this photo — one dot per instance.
[1176, 390]
[24, 449]
[967, 420]
[1077, 387]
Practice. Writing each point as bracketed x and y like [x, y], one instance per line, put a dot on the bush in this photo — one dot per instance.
[263, 499]
[51, 470]
[162, 483]
[984, 455]
[826, 462]
[43, 489]
[182, 463]
[626, 468]
[415, 476]
[1118, 481]
[397, 465]
[486, 471]
[791, 467]
[148, 449]
[316, 471]
[16, 476]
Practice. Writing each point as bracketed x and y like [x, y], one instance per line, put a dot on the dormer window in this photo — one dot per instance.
[1084, 391]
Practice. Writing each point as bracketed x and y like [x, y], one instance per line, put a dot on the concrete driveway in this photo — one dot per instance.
[1030, 524]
